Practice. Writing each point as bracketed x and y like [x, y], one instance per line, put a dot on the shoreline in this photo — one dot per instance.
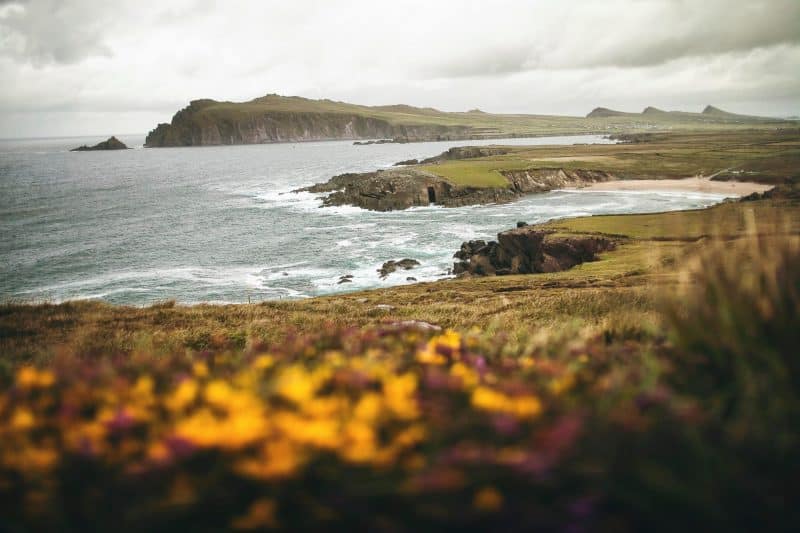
[695, 184]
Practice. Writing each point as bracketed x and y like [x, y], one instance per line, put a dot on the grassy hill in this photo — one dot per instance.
[765, 156]
[274, 118]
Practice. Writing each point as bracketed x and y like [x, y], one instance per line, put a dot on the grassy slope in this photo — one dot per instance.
[616, 294]
[747, 155]
[487, 124]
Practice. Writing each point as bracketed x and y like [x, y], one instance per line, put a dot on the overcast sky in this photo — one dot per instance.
[74, 67]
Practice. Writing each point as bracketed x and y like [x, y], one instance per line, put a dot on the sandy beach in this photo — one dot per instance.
[696, 184]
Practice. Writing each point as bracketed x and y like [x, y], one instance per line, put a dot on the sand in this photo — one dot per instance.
[733, 188]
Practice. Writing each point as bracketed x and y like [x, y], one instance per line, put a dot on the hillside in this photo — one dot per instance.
[275, 118]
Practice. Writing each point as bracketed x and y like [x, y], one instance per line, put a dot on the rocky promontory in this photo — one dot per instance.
[527, 250]
[112, 143]
[274, 118]
[401, 188]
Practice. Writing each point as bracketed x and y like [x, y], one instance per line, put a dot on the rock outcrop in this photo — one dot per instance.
[112, 143]
[394, 189]
[392, 266]
[526, 250]
[546, 179]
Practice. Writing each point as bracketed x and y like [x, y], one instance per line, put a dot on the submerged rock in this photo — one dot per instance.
[112, 143]
[392, 266]
[527, 250]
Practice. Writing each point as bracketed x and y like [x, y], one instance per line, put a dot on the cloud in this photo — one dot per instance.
[51, 31]
[150, 57]
[623, 34]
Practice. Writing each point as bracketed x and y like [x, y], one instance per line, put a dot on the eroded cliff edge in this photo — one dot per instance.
[412, 186]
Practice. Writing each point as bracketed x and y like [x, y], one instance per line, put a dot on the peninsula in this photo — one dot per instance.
[698, 161]
[274, 118]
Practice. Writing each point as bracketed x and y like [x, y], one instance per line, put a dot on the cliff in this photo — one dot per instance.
[390, 190]
[268, 120]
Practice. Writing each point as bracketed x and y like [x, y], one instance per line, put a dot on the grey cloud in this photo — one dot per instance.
[659, 32]
[43, 32]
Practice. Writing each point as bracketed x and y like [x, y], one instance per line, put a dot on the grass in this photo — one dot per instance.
[617, 289]
[751, 155]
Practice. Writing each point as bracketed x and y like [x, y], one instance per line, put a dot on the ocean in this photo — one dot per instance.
[220, 225]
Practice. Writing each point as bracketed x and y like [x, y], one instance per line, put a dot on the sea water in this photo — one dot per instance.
[220, 224]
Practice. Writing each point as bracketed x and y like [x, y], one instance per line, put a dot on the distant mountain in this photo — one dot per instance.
[274, 118]
[709, 113]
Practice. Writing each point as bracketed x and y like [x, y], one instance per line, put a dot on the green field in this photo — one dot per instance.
[748, 155]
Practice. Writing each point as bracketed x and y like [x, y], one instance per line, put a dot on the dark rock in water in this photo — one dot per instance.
[375, 141]
[527, 250]
[411, 279]
[392, 266]
[407, 162]
[112, 143]
[521, 224]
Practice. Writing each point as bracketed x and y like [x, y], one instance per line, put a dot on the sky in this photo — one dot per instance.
[88, 67]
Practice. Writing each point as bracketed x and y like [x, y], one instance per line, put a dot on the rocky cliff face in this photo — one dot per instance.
[199, 125]
[389, 190]
[548, 179]
[527, 250]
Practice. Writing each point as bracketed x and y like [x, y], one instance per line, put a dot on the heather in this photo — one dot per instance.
[401, 425]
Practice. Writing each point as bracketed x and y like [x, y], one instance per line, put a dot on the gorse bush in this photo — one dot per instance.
[400, 427]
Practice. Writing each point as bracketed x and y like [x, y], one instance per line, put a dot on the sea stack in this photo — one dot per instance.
[112, 143]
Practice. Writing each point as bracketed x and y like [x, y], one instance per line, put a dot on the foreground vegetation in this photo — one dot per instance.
[654, 389]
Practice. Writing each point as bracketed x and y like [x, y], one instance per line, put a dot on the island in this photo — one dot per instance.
[112, 143]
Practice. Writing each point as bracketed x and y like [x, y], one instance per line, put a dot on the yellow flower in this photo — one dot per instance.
[526, 406]
[261, 514]
[183, 395]
[22, 419]
[359, 442]
[368, 407]
[299, 385]
[29, 377]
[238, 429]
[488, 499]
[399, 395]
[468, 377]
[262, 362]
[200, 369]
[278, 459]
[321, 433]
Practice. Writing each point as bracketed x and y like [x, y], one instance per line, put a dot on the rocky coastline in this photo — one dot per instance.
[527, 250]
[412, 186]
